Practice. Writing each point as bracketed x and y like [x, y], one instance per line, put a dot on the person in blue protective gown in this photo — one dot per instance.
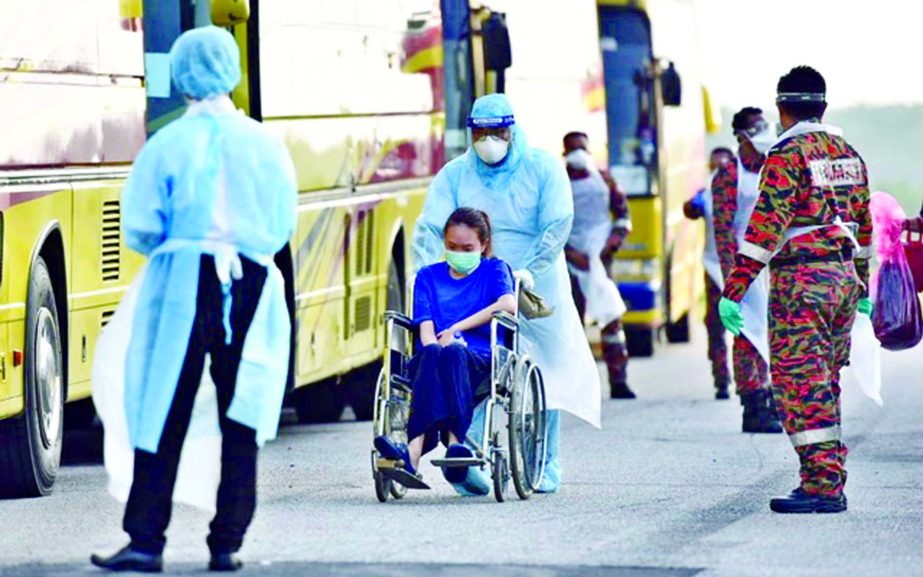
[527, 194]
[210, 199]
[454, 302]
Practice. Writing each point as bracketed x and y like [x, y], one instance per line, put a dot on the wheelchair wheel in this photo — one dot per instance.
[389, 418]
[500, 475]
[527, 428]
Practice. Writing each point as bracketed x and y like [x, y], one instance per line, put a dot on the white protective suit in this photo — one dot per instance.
[592, 228]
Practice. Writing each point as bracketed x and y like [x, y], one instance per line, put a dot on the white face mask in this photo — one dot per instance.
[491, 149]
[578, 159]
[763, 140]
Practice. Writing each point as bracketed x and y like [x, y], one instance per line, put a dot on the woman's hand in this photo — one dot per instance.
[447, 337]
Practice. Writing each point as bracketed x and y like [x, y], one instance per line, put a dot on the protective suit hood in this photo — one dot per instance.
[497, 106]
[205, 62]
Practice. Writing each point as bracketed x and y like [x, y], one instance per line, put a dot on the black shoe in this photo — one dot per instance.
[759, 415]
[621, 391]
[129, 559]
[721, 391]
[225, 562]
[800, 502]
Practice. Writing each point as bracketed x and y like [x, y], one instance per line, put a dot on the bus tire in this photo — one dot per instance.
[639, 341]
[678, 332]
[30, 444]
[319, 402]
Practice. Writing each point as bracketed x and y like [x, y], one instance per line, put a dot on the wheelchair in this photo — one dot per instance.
[516, 400]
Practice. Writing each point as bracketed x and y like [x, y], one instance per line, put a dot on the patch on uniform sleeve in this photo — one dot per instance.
[840, 172]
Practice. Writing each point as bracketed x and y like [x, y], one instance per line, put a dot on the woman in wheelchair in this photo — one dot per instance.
[454, 302]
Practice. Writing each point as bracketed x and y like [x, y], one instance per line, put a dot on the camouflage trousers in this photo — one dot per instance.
[717, 348]
[750, 370]
[811, 312]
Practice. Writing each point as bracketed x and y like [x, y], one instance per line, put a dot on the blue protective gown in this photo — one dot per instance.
[529, 201]
[212, 182]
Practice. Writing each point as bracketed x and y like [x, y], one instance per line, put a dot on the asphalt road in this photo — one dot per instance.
[669, 487]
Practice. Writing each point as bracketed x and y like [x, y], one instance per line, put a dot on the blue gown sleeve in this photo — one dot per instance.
[440, 202]
[555, 218]
[288, 184]
[144, 221]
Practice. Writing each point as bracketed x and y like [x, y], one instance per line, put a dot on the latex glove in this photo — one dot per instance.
[729, 311]
[865, 306]
[525, 278]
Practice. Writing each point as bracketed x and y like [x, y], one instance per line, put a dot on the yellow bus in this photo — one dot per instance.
[657, 111]
[360, 91]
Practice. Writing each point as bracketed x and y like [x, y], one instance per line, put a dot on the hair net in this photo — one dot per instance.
[205, 62]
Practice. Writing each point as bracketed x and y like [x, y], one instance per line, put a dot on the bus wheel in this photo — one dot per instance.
[640, 341]
[30, 444]
[319, 402]
[678, 332]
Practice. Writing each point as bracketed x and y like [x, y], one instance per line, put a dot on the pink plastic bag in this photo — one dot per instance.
[896, 316]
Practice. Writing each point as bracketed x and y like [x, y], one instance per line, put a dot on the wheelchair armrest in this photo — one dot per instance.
[506, 320]
[400, 319]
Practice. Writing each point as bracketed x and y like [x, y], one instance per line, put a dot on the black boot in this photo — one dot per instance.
[769, 417]
[721, 390]
[615, 353]
[751, 417]
[800, 502]
[225, 562]
[759, 413]
[129, 559]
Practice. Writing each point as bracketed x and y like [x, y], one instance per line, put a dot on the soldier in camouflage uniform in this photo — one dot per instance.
[812, 226]
[734, 190]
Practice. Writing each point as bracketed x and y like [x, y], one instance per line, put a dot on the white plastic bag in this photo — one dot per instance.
[200, 463]
[604, 304]
[865, 358]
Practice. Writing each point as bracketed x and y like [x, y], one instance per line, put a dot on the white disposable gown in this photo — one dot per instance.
[528, 199]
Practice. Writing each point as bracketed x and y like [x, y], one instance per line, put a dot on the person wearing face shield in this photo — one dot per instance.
[734, 194]
[813, 229]
[601, 223]
[702, 206]
[526, 193]
[211, 198]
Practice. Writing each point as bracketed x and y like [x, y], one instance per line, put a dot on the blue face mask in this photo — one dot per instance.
[463, 262]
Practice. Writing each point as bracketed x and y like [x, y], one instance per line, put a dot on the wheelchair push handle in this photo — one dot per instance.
[400, 319]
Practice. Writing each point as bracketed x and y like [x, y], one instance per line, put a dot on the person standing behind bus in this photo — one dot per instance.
[813, 227]
[210, 199]
[601, 223]
[526, 193]
[734, 192]
[700, 206]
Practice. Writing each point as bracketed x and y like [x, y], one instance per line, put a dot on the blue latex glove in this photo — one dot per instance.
[698, 201]
[865, 306]
[729, 311]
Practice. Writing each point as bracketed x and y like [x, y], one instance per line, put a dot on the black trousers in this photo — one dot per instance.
[149, 507]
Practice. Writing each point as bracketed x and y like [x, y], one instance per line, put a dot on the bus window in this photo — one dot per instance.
[625, 40]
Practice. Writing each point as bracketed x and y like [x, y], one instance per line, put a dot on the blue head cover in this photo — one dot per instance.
[205, 62]
[491, 111]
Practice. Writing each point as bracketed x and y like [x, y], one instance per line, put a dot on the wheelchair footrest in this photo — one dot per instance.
[404, 478]
[472, 462]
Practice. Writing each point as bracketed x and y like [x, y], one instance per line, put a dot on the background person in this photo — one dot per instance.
[735, 189]
[526, 193]
[701, 206]
[210, 199]
[601, 223]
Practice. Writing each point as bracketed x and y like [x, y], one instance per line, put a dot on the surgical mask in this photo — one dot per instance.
[463, 262]
[491, 149]
[763, 140]
[578, 159]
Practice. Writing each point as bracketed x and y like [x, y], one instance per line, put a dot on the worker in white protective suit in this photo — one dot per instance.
[211, 198]
[601, 223]
[527, 195]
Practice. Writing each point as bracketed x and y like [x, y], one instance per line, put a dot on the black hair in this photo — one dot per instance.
[742, 118]
[474, 219]
[804, 80]
[573, 134]
[722, 150]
